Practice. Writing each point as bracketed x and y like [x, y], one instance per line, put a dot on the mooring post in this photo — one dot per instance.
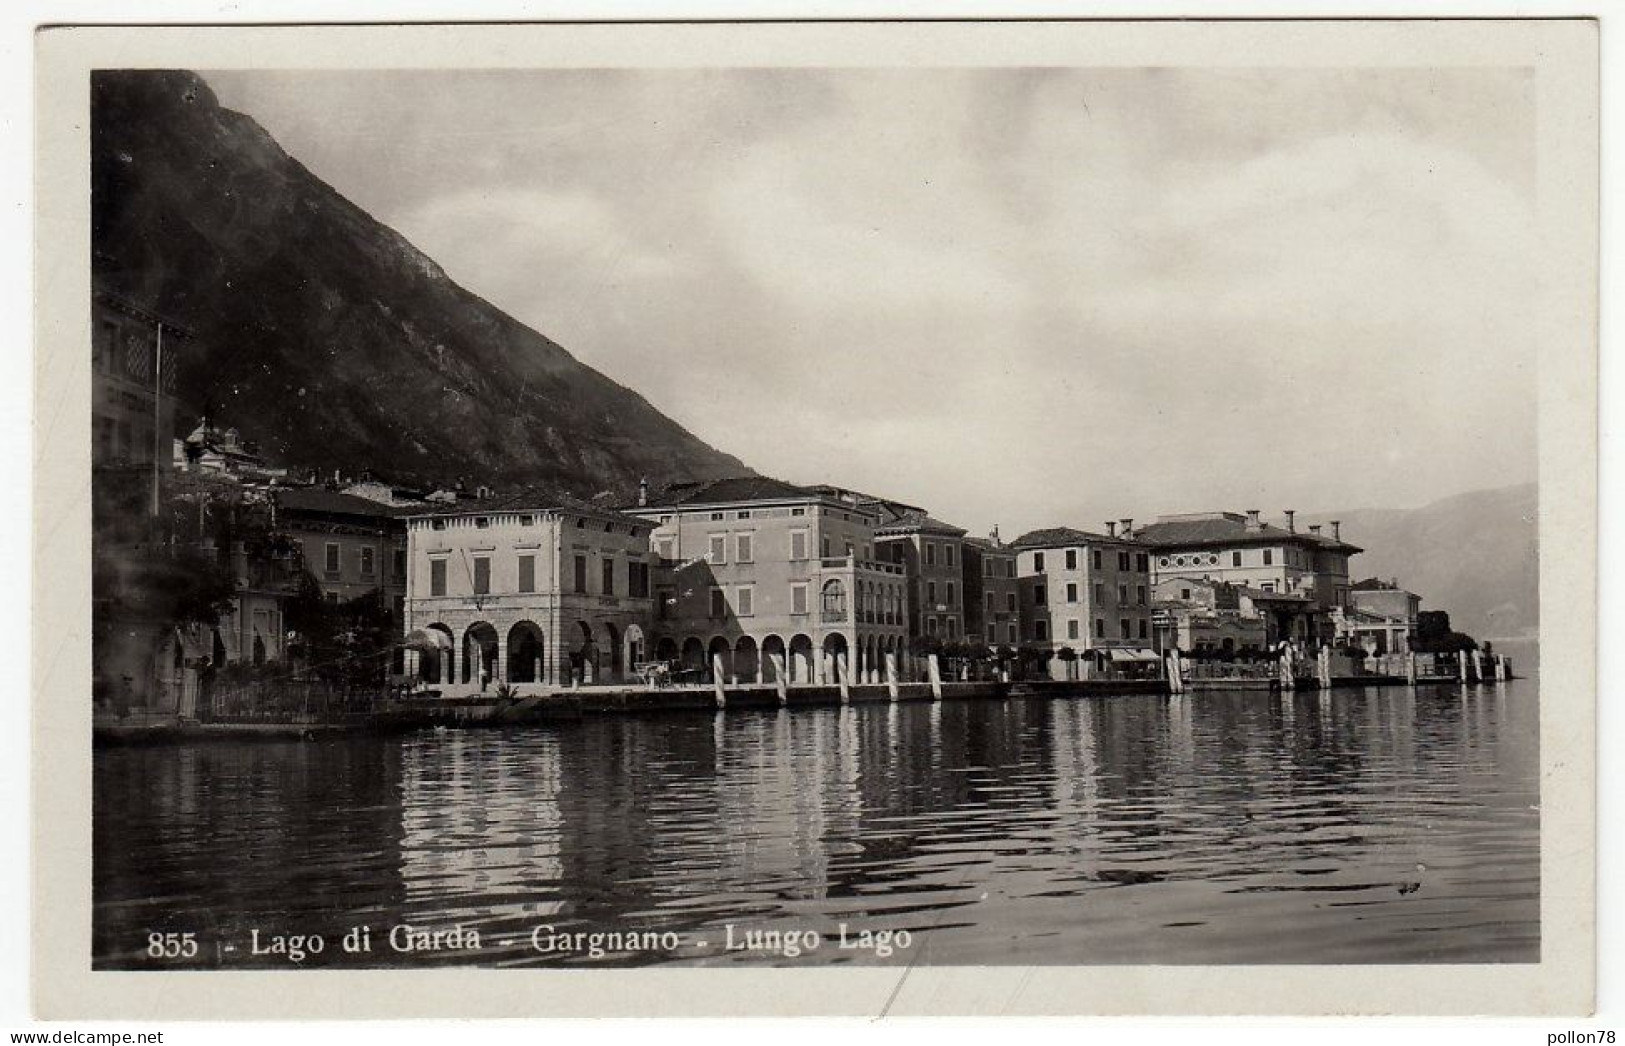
[1289, 679]
[891, 676]
[1176, 678]
[1478, 665]
[1324, 664]
[1410, 668]
[934, 670]
[841, 673]
[717, 681]
[1461, 665]
[780, 683]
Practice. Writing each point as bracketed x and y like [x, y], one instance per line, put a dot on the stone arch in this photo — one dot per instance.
[772, 646]
[527, 650]
[832, 597]
[747, 665]
[666, 649]
[636, 649]
[434, 654]
[718, 646]
[480, 654]
[694, 654]
[801, 658]
[612, 649]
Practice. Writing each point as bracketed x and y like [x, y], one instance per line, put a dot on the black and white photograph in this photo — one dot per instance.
[885, 515]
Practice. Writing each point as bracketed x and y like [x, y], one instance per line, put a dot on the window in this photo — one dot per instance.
[931, 626]
[1010, 568]
[1038, 562]
[742, 549]
[1010, 602]
[834, 597]
[1100, 592]
[606, 569]
[1123, 629]
[1071, 592]
[1235, 559]
[400, 563]
[331, 565]
[992, 633]
[745, 603]
[948, 553]
[1072, 628]
[719, 549]
[798, 512]
[716, 517]
[482, 522]
[1269, 557]
[1096, 559]
[527, 573]
[825, 543]
[1139, 595]
[987, 568]
[930, 553]
[798, 598]
[1124, 561]
[1100, 628]
[798, 544]
[1041, 630]
[950, 600]
[581, 573]
[931, 593]
[1142, 563]
[1185, 593]
[1268, 586]
[437, 577]
[368, 566]
[637, 579]
[482, 575]
[667, 546]
[1142, 628]
[1122, 595]
[1071, 559]
[743, 513]
[719, 605]
[665, 603]
[990, 606]
[953, 628]
[1010, 630]
[1038, 594]
[438, 524]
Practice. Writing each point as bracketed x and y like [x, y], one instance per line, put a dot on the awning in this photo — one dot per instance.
[428, 639]
[1134, 655]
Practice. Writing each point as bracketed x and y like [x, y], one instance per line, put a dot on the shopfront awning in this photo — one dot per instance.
[1138, 654]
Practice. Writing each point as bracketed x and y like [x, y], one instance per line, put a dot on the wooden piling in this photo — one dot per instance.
[780, 682]
[717, 681]
[841, 672]
[891, 676]
[935, 672]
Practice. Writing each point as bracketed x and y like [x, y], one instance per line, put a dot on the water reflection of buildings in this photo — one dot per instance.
[481, 825]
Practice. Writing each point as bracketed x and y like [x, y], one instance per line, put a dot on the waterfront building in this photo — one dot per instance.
[533, 587]
[1082, 592]
[932, 556]
[1381, 617]
[752, 568]
[1296, 576]
[992, 599]
[1193, 615]
[352, 546]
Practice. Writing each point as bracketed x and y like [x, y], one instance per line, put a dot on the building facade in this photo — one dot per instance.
[134, 364]
[353, 547]
[932, 556]
[1193, 615]
[759, 572]
[1082, 592]
[531, 588]
[992, 597]
[1298, 576]
[1381, 617]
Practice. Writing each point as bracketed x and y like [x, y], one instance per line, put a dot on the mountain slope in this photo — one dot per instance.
[326, 336]
[1475, 555]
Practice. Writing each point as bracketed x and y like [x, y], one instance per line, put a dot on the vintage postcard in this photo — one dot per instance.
[821, 518]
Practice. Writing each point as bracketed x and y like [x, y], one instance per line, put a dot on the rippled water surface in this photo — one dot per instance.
[1363, 826]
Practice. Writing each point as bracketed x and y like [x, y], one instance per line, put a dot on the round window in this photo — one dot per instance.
[1163, 561]
[1179, 561]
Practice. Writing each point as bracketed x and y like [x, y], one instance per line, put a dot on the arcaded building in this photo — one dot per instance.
[758, 571]
[535, 588]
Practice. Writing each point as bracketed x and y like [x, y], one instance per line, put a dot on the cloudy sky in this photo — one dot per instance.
[1025, 297]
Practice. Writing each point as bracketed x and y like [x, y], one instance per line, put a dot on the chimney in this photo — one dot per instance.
[994, 537]
[1128, 525]
[1111, 531]
[1337, 530]
[1291, 520]
[643, 491]
[1314, 528]
[1252, 519]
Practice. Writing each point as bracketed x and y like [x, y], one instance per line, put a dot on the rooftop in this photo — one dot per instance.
[917, 519]
[1060, 537]
[726, 491]
[525, 499]
[333, 503]
[1198, 529]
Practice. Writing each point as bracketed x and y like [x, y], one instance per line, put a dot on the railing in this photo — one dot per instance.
[834, 617]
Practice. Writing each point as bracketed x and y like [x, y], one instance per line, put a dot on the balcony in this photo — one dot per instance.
[834, 616]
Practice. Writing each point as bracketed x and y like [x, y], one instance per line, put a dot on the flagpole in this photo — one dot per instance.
[157, 413]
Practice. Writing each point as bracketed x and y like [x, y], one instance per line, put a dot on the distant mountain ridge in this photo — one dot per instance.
[1476, 555]
[328, 338]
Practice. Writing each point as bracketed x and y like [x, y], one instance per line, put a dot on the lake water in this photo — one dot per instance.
[1364, 826]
